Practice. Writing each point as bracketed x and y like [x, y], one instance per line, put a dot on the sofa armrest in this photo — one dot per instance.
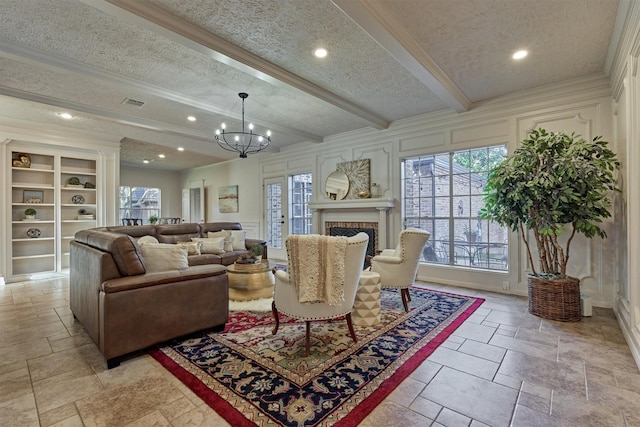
[386, 259]
[152, 279]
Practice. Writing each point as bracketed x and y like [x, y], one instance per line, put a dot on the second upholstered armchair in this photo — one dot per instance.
[320, 268]
[398, 267]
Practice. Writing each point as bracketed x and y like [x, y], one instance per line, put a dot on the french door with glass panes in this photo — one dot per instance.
[275, 217]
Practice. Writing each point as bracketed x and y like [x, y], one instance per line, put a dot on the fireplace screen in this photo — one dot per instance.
[352, 231]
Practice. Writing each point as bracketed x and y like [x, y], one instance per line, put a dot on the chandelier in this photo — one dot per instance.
[242, 142]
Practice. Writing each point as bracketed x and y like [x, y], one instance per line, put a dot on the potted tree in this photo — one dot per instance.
[553, 186]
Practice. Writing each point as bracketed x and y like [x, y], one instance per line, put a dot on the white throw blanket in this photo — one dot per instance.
[316, 266]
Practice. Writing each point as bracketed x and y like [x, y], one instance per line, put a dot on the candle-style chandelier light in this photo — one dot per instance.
[242, 142]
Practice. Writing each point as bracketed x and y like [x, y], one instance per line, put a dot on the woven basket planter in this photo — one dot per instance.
[557, 299]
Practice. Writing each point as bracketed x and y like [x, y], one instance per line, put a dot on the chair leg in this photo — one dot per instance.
[405, 294]
[276, 317]
[307, 339]
[350, 326]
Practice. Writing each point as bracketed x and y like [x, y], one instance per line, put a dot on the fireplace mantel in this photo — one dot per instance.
[380, 204]
[353, 208]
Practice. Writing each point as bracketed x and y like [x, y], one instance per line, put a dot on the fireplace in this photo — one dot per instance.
[350, 229]
[367, 215]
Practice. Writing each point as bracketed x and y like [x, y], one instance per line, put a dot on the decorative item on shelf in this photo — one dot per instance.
[77, 199]
[23, 160]
[153, 219]
[33, 233]
[74, 182]
[242, 142]
[535, 189]
[30, 213]
[89, 185]
[84, 214]
[375, 190]
[337, 185]
[32, 196]
[357, 172]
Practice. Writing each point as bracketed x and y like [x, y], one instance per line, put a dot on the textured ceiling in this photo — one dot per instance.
[388, 60]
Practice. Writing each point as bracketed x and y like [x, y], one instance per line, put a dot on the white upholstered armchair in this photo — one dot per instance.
[346, 261]
[398, 267]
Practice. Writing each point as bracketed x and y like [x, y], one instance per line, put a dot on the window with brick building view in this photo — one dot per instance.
[300, 194]
[442, 193]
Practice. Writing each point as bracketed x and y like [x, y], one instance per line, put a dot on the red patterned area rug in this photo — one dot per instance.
[251, 377]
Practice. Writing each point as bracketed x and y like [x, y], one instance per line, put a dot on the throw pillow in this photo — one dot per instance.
[228, 247]
[193, 248]
[147, 239]
[238, 240]
[214, 245]
[163, 257]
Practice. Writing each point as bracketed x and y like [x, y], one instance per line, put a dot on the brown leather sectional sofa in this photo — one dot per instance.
[124, 309]
[173, 233]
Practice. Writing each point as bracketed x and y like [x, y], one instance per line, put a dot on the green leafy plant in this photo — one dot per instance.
[257, 250]
[30, 212]
[153, 219]
[554, 183]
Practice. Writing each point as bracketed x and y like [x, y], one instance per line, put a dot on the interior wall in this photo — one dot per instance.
[583, 106]
[245, 174]
[626, 94]
[167, 181]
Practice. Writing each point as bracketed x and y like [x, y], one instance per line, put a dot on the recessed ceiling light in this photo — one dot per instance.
[145, 161]
[161, 155]
[320, 53]
[180, 148]
[65, 116]
[191, 118]
[520, 54]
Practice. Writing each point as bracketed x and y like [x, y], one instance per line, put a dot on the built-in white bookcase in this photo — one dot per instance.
[45, 183]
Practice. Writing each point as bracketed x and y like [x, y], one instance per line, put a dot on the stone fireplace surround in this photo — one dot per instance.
[354, 213]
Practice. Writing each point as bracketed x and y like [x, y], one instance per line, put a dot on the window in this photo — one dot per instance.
[139, 202]
[300, 218]
[442, 194]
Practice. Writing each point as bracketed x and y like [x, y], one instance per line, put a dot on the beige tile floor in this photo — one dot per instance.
[502, 367]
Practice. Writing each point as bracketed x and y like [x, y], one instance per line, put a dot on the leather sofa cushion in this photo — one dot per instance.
[204, 259]
[218, 226]
[123, 248]
[134, 230]
[153, 279]
[174, 233]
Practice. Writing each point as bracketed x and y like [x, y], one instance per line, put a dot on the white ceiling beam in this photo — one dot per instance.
[154, 18]
[378, 22]
[22, 52]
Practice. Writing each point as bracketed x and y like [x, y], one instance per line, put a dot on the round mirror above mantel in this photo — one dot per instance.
[337, 185]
